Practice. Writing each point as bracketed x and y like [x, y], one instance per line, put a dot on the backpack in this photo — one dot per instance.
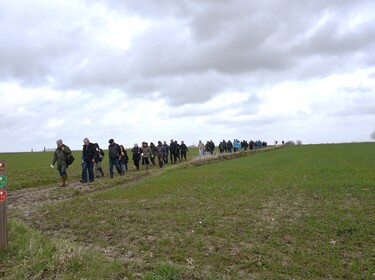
[113, 151]
[101, 153]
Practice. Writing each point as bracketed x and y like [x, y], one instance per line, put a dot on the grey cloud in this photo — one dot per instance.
[215, 46]
[328, 40]
[234, 44]
[45, 43]
[213, 111]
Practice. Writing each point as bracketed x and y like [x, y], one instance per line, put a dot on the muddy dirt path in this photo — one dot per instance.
[24, 202]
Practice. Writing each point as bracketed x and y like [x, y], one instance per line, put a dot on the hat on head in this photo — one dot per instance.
[111, 141]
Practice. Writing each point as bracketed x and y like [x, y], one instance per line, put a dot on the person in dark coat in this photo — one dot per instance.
[153, 153]
[221, 147]
[212, 146]
[173, 151]
[177, 152]
[229, 146]
[137, 152]
[88, 153]
[184, 150]
[114, 152]
[123, 159]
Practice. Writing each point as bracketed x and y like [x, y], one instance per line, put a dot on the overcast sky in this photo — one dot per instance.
[189, 70]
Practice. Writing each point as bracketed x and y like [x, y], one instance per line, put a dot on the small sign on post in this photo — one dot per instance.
[3, 207]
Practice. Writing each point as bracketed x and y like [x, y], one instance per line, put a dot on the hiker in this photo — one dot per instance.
[207, 148]
[173, 151]
[136, 151]
[114, 152]
[166, 151]
[60, 156]
[160, 151]
[236, 145]
[212, 147]
[264, 144]
[229, 146]
[88, 153]
[225, 146]
[245, 145]
[221, 147]
[251, 145]
[146, 154]
[184, 149]
[98, 158]
[153, 153]
[177, 152]
[123, 159]
[200, 148]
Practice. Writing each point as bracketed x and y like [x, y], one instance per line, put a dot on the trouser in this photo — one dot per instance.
[136, 163]
[183, 155]
[174, 157]
[62, 170]
[124, 166]
[165, 158]
[63, 175]
[114, 162]
[171, 156]
[98, 168]
[161, 161]
[146, 161]
[88, 167]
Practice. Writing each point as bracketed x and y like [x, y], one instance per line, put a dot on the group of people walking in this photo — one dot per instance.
[146, 154]
[92, 157]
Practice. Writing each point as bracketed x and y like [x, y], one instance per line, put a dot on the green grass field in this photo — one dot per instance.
[299, 212]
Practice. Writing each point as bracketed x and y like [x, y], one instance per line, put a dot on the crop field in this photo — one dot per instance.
[295, 212]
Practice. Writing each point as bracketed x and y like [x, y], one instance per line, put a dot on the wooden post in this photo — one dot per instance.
[3, 210]
[3, 226]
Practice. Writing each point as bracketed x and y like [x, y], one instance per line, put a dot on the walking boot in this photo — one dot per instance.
[66, 179]
[63, 181]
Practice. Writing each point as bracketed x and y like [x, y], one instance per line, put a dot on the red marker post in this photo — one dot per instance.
[3, 207]
[3, 195]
